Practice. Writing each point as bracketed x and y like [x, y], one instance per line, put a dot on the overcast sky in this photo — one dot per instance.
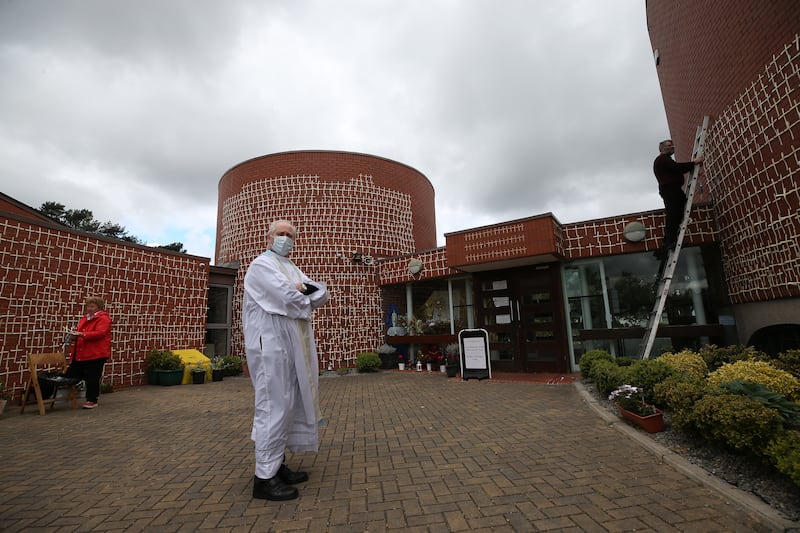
[512, 108]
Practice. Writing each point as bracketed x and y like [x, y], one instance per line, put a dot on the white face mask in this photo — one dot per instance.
[282, 245]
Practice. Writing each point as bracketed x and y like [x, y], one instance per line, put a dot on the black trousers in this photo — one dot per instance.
[89, 371]
[674, 204]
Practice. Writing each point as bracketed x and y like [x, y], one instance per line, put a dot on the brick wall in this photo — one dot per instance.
[155, 298]
[603, 237]
[341, 203]
[739, 62]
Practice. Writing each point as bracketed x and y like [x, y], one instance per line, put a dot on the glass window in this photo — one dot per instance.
[430, 304]
[631, 285]
[218, 305]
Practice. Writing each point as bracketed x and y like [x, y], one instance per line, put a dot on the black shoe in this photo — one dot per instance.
[292, 478]
[273, 489]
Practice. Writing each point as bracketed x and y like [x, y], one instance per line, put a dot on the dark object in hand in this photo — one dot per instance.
[310, 288]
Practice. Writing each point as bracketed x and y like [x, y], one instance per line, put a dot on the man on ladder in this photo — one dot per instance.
[669, 174]
[678, 207]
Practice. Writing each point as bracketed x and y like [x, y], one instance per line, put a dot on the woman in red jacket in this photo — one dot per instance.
[91, 349]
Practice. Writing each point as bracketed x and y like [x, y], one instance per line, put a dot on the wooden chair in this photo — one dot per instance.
[52, 360]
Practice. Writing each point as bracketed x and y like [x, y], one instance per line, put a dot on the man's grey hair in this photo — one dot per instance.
[275, 223]
[662, 143]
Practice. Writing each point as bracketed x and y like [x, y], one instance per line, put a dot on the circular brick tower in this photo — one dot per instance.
[350, 211]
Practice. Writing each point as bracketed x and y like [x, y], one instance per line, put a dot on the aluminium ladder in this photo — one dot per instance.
[667, 267]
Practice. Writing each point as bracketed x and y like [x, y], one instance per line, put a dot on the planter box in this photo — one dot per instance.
[650, 423]
[168, 378]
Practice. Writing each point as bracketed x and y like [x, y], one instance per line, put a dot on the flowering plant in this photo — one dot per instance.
[625, 397]
[433, 327]
[431, 354]
[386, 349]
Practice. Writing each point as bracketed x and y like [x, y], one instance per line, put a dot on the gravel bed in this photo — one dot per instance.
[749, 475]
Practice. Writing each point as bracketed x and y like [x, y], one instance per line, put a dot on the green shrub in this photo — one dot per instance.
[736, 421]
[624, 361]
[784, 453]
[761, 372]
[646, 374]
[686, 362]
[163, 360]
[589, 358]
[607, 376]
[368, 362]
[789, 361]
[232, 365]
[715, 357]
[679, 392]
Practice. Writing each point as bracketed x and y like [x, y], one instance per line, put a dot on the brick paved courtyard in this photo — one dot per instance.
[399, 451]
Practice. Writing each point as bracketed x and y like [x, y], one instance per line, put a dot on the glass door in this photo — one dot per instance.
[496, 311]
[521, 310]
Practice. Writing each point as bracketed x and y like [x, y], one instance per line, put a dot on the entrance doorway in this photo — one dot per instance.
[522, 310]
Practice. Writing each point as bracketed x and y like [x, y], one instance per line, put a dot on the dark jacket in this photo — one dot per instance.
[669, 172]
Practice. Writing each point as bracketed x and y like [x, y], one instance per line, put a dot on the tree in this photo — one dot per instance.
[175, 247]
[83, 219]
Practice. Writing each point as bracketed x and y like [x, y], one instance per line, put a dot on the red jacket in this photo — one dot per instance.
[96, 340]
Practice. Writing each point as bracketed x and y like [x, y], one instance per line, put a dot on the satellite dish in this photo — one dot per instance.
[414, 266]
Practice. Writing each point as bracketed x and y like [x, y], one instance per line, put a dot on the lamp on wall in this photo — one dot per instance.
[414, 266]
[634, 232]
[357, 257]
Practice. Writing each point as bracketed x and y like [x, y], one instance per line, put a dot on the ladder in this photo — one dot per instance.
[667, 266]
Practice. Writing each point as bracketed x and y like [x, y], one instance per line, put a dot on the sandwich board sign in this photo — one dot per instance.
[474, 347]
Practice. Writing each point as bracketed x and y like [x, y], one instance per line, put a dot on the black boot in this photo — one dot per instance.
[273, 489]
[292, 478]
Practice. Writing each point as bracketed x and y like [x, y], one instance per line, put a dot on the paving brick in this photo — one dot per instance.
[506, 457]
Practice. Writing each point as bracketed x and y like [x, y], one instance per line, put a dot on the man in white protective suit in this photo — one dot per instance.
[278, 304]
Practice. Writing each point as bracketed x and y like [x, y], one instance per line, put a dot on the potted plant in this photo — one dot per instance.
[630, 402]
[452, 360]
[432, 356]
[401, 362]
[198, 374]
[387, 354]
[419, 361]
[218, 367]
[167, 367]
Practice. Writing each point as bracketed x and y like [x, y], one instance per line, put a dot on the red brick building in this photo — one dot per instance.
[545, 291]
[738, 61]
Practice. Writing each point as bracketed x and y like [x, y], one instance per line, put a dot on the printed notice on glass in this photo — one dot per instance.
[474, 353]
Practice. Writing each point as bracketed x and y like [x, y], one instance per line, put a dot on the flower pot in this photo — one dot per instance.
[217, 374]
[198, 377]
[650, 423]
[388, 360]
[452, 370]
[401, 366]
[442, 369]
[170, 377]
[429, 366]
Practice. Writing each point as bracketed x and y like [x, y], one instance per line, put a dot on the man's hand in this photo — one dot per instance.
[698, 160]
